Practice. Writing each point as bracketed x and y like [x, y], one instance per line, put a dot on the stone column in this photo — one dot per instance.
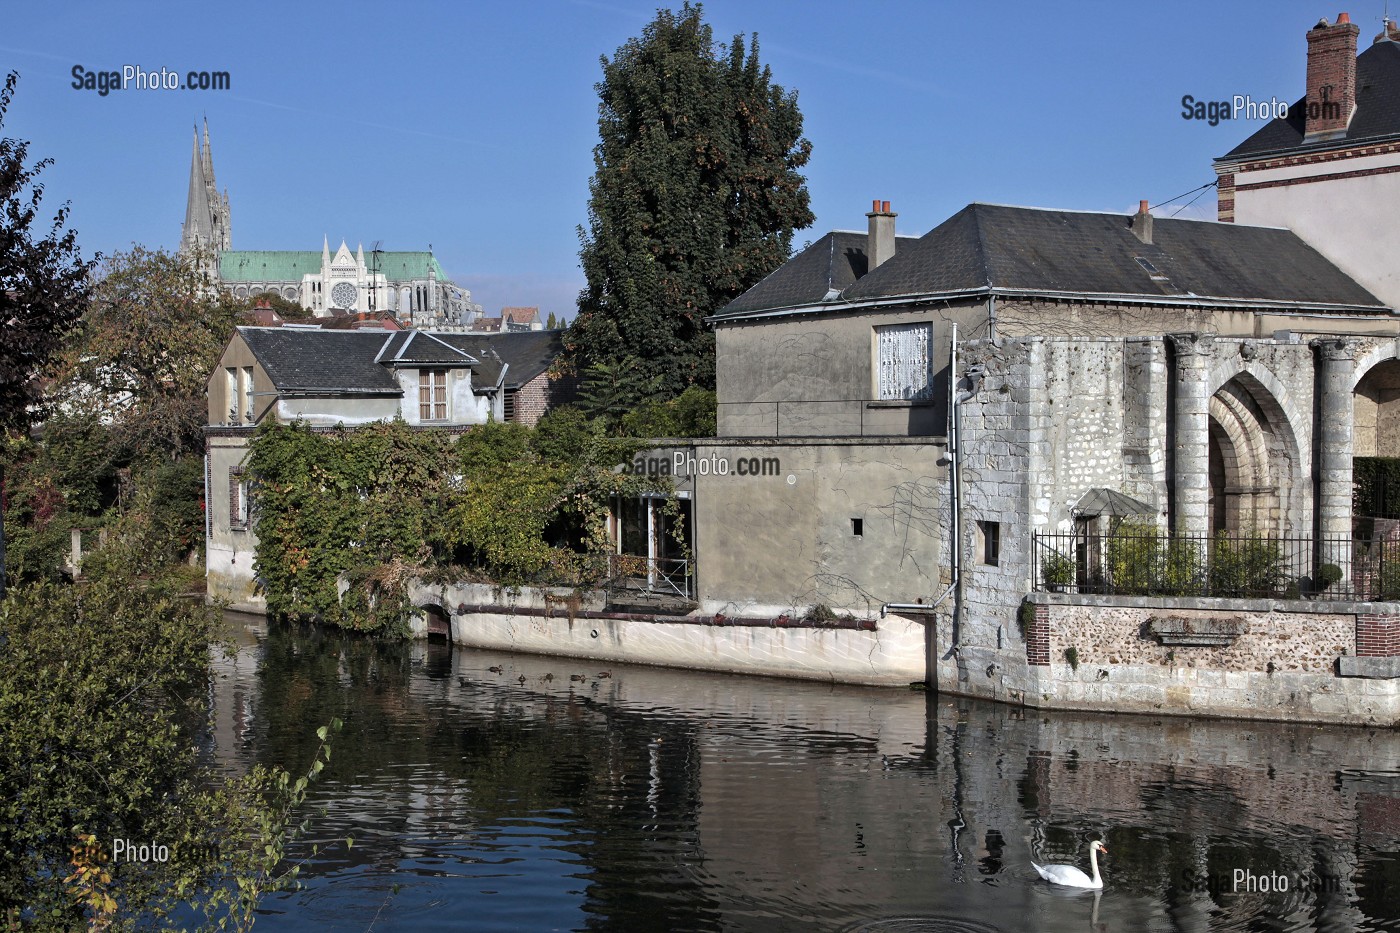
[1337, 360]
[1192, 441]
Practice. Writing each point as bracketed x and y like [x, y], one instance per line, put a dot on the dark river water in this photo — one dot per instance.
[569, 795]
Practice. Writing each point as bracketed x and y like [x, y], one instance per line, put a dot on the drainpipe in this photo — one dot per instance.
[955, 481]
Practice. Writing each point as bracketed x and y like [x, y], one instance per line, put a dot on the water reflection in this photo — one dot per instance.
[557, 794]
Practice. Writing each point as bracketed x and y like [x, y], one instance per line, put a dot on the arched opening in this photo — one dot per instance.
[439, 623]
[1376, 412]
[1253, 460]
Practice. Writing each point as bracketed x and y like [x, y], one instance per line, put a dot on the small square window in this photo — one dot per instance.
[858, 527]
[990, 533]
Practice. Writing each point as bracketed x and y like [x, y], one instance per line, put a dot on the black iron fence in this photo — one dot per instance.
[1135, 563]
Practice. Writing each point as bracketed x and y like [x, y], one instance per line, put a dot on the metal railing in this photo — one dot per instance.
[664, 575]
[1137, 563]
[851, 417]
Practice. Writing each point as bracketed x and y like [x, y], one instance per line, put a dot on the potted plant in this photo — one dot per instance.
[1059, 571]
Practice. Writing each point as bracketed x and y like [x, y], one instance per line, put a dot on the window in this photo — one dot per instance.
[231, 393]
[903, 369]
[248, 393]
[237, 501]
[990, 533]
[432, 395]
[508, 406]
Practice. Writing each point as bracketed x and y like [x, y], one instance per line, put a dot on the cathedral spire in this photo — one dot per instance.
[198, 227]
[208, 158]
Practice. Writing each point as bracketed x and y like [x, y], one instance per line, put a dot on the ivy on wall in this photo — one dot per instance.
[379, 505]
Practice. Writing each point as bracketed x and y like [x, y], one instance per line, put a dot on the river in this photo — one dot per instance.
[513, 792]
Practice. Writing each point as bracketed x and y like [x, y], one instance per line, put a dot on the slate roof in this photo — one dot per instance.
[322, 362]
[1377, 110]
[833, 262]
[989, 248]
[315, 361]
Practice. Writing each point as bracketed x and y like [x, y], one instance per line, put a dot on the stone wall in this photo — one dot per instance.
[1251, 659]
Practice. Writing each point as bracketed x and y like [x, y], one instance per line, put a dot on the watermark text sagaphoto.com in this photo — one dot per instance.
[1244, 107]
[134, 77]
[686, 463]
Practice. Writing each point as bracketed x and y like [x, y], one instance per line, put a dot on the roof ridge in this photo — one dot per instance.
[979, 241]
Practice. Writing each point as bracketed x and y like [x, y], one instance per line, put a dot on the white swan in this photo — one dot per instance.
[1071, 877]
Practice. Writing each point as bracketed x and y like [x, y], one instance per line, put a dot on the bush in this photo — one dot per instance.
[1246, 567]
[1058, 569]
[1142, 562]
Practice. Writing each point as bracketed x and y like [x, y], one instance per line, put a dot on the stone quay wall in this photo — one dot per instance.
[1313, 661]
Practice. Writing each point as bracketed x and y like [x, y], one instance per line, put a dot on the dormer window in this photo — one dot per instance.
[432, 395]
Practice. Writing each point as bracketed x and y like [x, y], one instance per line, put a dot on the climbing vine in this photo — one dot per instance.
[345, 518]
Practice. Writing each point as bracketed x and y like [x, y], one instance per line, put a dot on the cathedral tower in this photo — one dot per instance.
[207, 224]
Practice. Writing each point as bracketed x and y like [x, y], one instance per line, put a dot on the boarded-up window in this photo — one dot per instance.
[432, 395]
[237, 501]
[903, 355]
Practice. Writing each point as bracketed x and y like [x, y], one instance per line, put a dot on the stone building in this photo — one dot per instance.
[412, 285]
[1212, 376]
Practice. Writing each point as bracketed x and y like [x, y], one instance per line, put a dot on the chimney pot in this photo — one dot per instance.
[1142, 207]
[879, 245]
[1343, 18]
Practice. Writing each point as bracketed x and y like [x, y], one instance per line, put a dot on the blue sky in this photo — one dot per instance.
[470, 126]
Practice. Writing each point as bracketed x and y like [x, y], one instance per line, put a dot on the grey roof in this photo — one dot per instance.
[830, 264]
[328, 362]
[322, 361]
[1103, 501]
[1377, 109]
[413, 348]
[989, 248]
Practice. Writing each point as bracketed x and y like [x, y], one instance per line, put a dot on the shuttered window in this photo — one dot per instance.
[903, 362]
[432, 395]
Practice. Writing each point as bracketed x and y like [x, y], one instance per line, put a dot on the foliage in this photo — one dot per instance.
[1328, 574]
[611, 390]
[690, 414]
[1376, 486]
[1245, 566]
[150, 337]
[1142, 561]
[1072, 658]
[1058, 569]
[43, 278]
[103, 702]
[378, 505]
[694, 198]
[552, 323]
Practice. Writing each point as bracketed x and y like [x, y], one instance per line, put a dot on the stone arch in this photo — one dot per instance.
[240, 291]
[289, 293]
[1376, 410]
[1256, 468]
[1378, 353]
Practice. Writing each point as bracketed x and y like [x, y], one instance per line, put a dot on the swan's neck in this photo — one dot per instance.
[1094, 862]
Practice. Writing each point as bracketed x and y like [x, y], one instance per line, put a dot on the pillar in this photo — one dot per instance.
[1191, 443]
[1337, 362]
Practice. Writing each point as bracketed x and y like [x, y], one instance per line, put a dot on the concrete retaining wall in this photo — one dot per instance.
[890, 652]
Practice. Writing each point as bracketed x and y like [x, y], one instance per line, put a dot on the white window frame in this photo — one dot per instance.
[432, 395]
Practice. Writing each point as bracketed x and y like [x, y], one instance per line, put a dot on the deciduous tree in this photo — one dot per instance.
[695, 197]
[43, 285]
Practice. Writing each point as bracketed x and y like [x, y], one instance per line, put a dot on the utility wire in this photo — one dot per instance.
[1192, 201]
[1180, 196]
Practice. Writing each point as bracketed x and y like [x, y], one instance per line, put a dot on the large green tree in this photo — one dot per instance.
[43, 286]
[695, 197]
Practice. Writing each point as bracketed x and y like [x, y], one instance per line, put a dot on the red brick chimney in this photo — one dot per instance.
[880, 243]
[1331, 95]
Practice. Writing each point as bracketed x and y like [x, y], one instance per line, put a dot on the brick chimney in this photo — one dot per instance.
[880, 245]
[1331, 95]
[1142, 223]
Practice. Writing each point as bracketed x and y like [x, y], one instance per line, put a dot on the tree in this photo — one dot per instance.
[43, 287]
[150, 337]
[694, 199]
[286, 309]
[552, 323]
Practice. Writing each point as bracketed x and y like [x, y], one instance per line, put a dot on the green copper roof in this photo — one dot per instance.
[253, 265]
[249, 265]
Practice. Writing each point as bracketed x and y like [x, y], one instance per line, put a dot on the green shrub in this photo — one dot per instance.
[1059, 569]
[1246, 567]
[1327, 575]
